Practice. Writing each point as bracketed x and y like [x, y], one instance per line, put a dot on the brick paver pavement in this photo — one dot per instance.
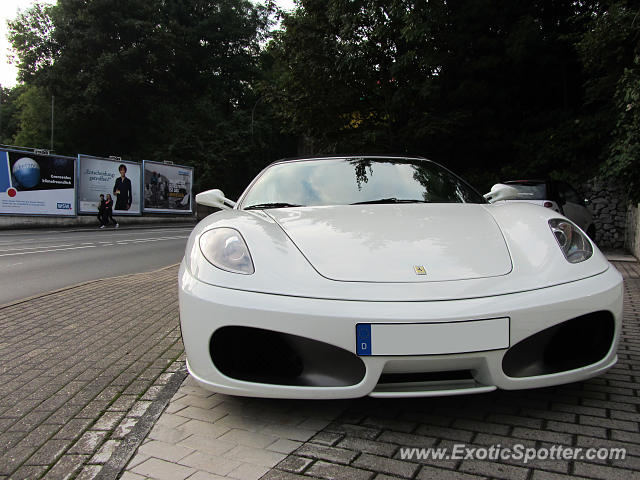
[365, 441]
[86, 371]
[203, 435]
[79, 368]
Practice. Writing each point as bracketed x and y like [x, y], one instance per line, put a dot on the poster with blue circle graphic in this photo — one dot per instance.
[33, 184]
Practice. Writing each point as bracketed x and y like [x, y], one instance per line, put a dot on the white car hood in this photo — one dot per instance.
[282, 269]
[385, 243]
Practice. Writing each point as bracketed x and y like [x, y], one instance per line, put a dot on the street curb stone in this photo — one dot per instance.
[77, 285]
[121, 456]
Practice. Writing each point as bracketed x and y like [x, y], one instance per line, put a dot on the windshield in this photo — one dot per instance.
[348, 181]
[530, 191]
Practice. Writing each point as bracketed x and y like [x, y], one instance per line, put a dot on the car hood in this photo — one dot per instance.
[394, 243]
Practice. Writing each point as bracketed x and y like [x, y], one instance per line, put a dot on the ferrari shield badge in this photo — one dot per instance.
[420, 270]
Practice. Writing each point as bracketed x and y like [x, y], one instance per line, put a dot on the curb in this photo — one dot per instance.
[76, 285]
[121, 456]
[24, 231]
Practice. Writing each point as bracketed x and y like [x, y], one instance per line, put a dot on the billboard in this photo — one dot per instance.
[167, 188]
[106, 176]
[34, 184]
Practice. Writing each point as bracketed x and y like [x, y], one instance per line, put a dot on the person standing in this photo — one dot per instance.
[154, 188]
[101, 211]
[122, 190]
[108, 209]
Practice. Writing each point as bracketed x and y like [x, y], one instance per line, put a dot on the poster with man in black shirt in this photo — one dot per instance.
[113, 176]
[122, 190]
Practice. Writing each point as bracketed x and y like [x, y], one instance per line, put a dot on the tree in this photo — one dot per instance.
[34, 127]
[157, 79]
[610, 49]
[31, 35]
[9, 113]
[481, 85]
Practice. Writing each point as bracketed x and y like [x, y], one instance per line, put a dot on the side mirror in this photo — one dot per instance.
[214, 198]
[500, 191]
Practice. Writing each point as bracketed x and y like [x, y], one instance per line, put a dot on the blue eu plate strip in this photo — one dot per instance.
[363, 339]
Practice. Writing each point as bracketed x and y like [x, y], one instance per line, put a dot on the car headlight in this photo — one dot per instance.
[574, 244]
[226, 249]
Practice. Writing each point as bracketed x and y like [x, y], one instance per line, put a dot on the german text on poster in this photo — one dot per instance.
[115, 178]
[33, 184]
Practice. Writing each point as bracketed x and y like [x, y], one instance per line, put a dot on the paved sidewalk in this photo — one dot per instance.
[87, 370]
[80, 367]
[207, 436]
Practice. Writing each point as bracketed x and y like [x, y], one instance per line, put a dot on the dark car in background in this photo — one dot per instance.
[558, 196]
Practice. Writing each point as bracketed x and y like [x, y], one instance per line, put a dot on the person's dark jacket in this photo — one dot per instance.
[108, 212]
[101, 211]
[125, 198]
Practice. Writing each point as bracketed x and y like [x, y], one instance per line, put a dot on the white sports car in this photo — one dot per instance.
[390, 276]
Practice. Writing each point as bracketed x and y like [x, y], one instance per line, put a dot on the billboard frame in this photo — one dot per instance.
[126, 162]
[32, 151]
[160, 211]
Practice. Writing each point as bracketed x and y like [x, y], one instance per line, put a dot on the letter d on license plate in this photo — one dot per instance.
[363, 338]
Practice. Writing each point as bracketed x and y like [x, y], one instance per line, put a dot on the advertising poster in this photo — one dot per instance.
[167, 188]
[105, 176]
[33, 184]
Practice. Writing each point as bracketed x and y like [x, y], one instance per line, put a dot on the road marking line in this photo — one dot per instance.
[45, 248]
[34, 248]
[14, 264]
[141, 240]
[7, 240]
[45, 251]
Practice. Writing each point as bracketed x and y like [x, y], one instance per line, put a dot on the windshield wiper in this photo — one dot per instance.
[390, 200]
[270, 205]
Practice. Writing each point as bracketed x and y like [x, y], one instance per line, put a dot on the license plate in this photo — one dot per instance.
[431, 338]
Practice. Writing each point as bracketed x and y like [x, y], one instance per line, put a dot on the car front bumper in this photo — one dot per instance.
[331, 325]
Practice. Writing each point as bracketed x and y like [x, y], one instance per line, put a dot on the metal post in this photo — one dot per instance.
[52, 100]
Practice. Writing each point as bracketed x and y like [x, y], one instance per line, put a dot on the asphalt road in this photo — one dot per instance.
[33, 262]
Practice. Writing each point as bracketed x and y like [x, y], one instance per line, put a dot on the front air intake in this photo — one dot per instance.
[576, 343]
[265, 356]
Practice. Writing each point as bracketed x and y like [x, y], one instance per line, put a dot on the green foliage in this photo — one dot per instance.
[31, 35]
[482, 85]
[9, 113]
[624, 160]
[34, 128]
[610, 49]
[157, 79]
[492, 89]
